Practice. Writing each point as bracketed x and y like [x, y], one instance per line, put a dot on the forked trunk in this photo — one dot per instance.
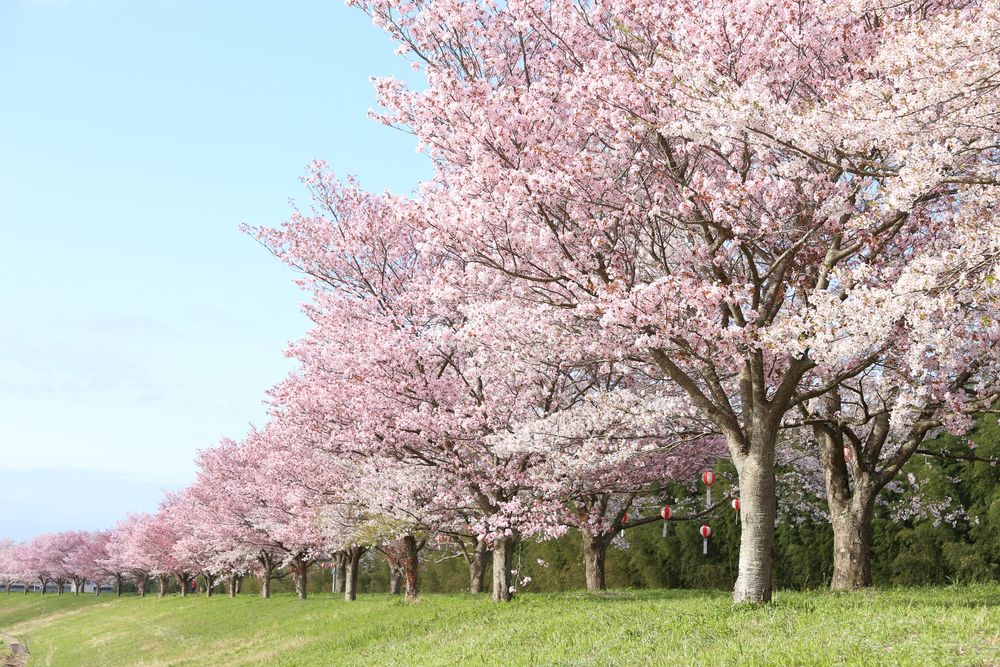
[164, 580]
[234, 584]
[477, 566]
[758, 512]
[503, 577]
[595, 550]
[411, 567]
[209, 584]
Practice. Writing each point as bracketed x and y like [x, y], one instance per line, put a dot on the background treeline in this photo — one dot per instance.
[918, 551]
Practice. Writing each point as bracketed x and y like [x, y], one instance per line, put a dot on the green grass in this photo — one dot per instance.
[930, 626]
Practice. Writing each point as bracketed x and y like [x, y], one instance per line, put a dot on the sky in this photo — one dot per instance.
[137, 323]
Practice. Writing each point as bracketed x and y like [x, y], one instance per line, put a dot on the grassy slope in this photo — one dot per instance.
[934, 626]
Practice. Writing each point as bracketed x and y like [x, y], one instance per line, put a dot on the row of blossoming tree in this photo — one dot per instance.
[657, 233]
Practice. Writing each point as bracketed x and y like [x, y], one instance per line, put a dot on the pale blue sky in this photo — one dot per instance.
[137, 324]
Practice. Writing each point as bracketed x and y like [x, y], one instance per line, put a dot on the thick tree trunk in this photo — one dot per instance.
[351, 576]
[477, 566]
[267, 569]
[340, 575]
[164, 580]
[758, 512]
[503, 561]
[852, 542]
[411, 568]
[299, 573]
[142, 586]
[595, 549]
[119, 584]
[185, 583]
[234, 584]
[209, 584]
[851, 504]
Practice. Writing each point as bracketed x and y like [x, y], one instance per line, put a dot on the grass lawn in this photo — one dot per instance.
[920, 626]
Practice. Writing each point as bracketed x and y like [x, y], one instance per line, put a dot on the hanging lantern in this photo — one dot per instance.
[706, 532]
[736, 504]
[665, 513]
[624, 521]
[708, 477]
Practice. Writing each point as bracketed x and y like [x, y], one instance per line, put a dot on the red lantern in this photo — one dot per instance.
[706, 531]
[848, 453]
[625, 518]
[736, 504]
[708, 477]
[665, 512]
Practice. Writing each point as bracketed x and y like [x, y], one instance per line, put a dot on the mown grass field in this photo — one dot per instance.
[932, 626]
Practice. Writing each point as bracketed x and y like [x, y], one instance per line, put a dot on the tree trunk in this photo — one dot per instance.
[209, 584]
[395, 580]
[234, 584]
[503, 578]
[267, 568]
[185, 583]
[758, 512]
[142, 585]
[477, 566]
[852, 542]
[119, 583]
[411, 568]
[164, 580]
[265, 584]
[299, 571]
[595, 550]
[341, 572]
[351, 576]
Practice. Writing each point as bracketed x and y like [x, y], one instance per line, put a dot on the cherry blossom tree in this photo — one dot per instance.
[711, 189]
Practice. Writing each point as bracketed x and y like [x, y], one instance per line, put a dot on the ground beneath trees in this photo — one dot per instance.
[930, 626]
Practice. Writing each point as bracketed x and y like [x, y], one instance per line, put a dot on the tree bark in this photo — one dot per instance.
[340, 575]
[395, 580]
[267, 568]
[411, 568]
[351, 575]
[758, 513]
[477, 566]
[299, 571]
[209, 584]
[595, 550]
[234, 584]
[503, 578]
[119, 583]
[141, 582]
[164, 580]
[852, 544]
